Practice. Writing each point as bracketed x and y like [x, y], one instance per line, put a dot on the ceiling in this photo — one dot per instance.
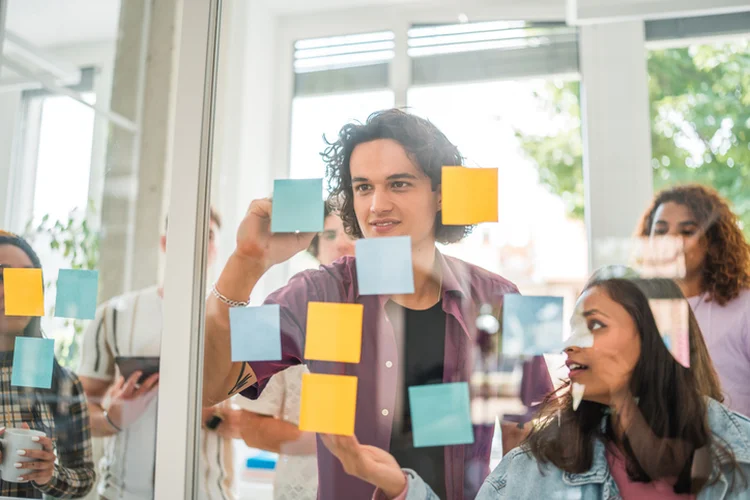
[63, 22]
[67, 22]
[302, 6]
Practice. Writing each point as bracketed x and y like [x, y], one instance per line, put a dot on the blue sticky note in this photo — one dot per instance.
[76, 293]
[384, 266]
[532, 325]
[255, 333]
[33, 359]
[297, 206]
[441, 414]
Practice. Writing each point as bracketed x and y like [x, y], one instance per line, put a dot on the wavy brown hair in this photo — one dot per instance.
[671, 397]
[425, 145]
[726, 269]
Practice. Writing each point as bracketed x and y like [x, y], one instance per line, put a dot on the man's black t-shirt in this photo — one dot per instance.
[422, 361]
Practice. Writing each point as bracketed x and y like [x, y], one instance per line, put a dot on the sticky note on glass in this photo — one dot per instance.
[328, 404]
[659, 257]
[76, 293]
[297, 206]
[33, 359]
[440, 414]
[334, 332]
[24, 292]
[469, 195]
[255, 333]
[532, 325]
[384, 266]
[672, 320]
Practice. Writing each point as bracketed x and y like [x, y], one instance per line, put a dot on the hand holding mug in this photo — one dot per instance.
[27, 455]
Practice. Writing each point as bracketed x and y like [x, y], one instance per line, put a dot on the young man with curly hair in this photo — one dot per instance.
[386, 174]
[717, 281]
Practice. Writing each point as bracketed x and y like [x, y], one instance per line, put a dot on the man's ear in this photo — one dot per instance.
[440, 197]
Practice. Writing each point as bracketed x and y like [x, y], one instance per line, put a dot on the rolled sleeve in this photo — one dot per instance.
[416, 489]
[324, 285]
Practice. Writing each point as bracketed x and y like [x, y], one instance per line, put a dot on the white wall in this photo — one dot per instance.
[248, 151]
[616, 130]
[608, 11]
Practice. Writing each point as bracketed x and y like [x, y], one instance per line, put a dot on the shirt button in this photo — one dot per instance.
[384, 412]
[388, 364]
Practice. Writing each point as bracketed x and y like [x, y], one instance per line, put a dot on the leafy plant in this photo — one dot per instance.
[78, 245]
[700, 126]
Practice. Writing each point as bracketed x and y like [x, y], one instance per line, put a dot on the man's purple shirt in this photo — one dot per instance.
[464, 289]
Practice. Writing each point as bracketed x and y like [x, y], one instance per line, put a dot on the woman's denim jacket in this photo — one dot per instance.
[518, 476]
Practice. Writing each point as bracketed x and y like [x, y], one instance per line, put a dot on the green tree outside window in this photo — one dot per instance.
[700, 126]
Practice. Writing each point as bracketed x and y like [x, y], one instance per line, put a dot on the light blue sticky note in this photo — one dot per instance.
[33, 359]
[255, 333]
[384, 265]
[297, 206]
[532, 325]
[76, 293]
[440, 414]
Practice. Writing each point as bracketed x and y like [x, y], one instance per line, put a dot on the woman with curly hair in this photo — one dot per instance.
[717, 281]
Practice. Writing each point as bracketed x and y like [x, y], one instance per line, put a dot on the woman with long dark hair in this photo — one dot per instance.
[646, 428]
[64, 467]
[717, 281]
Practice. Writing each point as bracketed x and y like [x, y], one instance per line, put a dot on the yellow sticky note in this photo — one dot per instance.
[328, 404]
[469, 195]
[24, 292]
[334, 332]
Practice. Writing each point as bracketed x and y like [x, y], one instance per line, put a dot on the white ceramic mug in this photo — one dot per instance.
[12, 441]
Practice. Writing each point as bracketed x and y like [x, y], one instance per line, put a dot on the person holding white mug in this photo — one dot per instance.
[20, 447]
[45, 438]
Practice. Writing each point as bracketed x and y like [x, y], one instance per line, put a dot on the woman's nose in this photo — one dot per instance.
[571, 349]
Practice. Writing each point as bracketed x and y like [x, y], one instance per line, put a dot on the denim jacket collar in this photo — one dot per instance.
[722, 423]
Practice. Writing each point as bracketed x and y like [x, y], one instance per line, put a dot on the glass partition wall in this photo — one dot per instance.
[136, 135]
[86, 91]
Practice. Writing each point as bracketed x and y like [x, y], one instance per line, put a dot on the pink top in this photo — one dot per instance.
[655, 490]
[726, 330]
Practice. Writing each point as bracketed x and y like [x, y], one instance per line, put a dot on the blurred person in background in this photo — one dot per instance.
[64, 467]
[647, 427]
[124, 411]
[273, 418]
[717, 281]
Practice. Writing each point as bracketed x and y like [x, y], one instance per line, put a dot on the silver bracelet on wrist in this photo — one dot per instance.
[229, 302]
[109, 421]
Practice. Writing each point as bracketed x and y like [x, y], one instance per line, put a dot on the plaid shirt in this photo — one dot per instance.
[69, 428]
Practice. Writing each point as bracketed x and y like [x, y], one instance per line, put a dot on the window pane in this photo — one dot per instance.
[314, 118]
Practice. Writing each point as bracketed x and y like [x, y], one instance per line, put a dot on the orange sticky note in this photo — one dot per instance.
[469, 195]
[24, 292]
[334, 332]
[328, 404]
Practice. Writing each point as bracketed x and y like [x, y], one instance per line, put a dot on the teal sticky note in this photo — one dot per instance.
[255, 333]
[33, 359]
[532, 325]
[297, 206]
[76, 293]
[384, 266]
[441, 414]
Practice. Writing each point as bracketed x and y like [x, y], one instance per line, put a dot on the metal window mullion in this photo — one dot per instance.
[181, 381]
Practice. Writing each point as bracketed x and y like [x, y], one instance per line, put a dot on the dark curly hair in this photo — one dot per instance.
[726, 270]
[425, 145]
